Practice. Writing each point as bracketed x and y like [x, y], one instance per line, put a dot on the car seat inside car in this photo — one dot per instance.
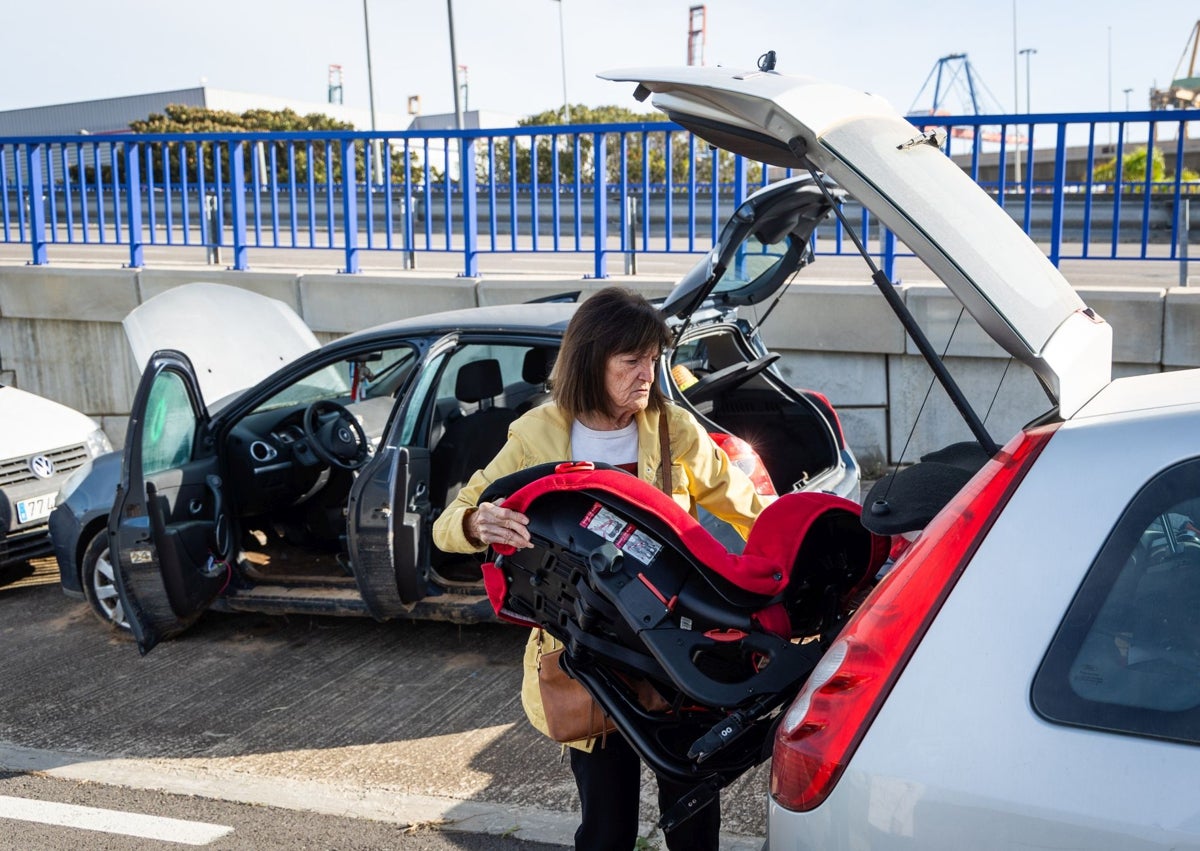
[535, 370]
[470, 441]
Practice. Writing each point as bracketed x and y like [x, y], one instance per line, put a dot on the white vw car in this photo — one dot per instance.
[1027, 675]
[41, 442]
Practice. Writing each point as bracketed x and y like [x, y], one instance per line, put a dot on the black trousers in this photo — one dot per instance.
[609, 779]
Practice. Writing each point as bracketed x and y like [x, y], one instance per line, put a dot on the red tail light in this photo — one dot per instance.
[833, 712]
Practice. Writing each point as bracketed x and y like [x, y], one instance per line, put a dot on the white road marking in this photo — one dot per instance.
[111, 821]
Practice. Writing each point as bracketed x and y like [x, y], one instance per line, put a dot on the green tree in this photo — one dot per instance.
[164, 159]
[178, 118]
[654, 156]
[1133, 171]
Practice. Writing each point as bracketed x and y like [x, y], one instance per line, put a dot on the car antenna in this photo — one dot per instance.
[800, 148]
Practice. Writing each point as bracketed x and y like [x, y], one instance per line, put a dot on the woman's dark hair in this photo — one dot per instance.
[614, 321]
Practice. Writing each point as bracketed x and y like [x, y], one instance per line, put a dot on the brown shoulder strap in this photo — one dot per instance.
[664, 446]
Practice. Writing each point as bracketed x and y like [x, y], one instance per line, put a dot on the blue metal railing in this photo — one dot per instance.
[603, 190]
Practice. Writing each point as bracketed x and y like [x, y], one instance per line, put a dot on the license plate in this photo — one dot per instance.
[35, 508]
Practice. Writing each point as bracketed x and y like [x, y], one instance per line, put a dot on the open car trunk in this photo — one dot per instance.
[746, 398]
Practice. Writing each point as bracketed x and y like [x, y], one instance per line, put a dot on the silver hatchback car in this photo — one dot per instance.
[1027, 674]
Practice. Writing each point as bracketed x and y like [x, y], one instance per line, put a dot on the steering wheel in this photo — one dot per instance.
[728, 378]
[335, 435]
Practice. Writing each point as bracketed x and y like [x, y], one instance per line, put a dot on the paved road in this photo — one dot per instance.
[402, 722]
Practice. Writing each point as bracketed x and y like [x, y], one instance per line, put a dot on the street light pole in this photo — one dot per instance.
[375, 143]
[370, 77]
[458, 116]
[1127, 91]
[562, 50]
[1016, 101]
[1016, 77]
[1026, 53]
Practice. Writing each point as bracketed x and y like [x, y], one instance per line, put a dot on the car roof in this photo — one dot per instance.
[534, 319]
[1152, 391]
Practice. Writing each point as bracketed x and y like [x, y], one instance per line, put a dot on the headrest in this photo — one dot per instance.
[536, 368]
[479, 380]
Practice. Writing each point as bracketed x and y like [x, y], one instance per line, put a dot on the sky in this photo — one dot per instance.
[1087, 53]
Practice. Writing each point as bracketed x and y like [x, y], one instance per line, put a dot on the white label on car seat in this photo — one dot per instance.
[604, 523]
[642, 547]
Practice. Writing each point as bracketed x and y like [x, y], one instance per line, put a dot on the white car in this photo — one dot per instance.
[41, 443]
[1028, 672]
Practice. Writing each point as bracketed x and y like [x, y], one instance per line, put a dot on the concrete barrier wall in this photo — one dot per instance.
[61, 337]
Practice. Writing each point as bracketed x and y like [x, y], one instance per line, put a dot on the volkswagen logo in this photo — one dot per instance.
[41, 466]
[344, 435]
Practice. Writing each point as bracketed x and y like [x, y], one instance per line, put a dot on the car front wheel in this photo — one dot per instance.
[99, 582]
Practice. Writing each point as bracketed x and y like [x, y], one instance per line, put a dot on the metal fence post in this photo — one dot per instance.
[1059, 197]
[410, 254]
[470, 207]
[212, 253]
[631, 229]
[600, 204]
[889, 254]
[133, 203]
[349, 205]
[237, 204]
[740, 181]
[1184, 226]
[37, 213]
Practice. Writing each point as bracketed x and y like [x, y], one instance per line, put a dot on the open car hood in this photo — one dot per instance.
[899, 173]
[233, 337]
[761, 246]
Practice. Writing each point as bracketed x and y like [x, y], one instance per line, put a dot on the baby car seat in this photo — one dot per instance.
[636, 588]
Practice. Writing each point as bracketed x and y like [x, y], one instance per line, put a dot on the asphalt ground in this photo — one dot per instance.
[401, 722]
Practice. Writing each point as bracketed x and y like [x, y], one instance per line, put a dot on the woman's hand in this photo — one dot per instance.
[490, 523]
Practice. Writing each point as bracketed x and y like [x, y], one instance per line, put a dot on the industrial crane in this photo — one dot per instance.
[1184, 91]
[954, 74]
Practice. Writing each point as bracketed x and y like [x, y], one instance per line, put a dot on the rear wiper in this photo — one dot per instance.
[885, 286]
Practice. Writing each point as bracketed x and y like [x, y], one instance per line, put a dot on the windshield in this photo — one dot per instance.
[372, 375]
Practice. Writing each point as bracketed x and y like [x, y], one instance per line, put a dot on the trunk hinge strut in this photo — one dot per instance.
[799, 147]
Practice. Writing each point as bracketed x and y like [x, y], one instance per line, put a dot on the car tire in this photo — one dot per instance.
[99, 583]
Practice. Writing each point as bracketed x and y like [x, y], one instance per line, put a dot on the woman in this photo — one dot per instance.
[607, 407]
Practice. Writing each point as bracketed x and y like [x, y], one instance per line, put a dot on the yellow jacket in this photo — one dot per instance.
[701, 474]
[700, 471]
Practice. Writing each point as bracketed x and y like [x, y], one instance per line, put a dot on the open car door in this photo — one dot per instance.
[167, 530]
[390, 507]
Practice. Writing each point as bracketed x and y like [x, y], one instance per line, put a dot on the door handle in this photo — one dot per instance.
[420, 491]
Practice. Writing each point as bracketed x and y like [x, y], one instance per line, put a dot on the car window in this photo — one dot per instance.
[752, 260]
[169, 431]
[510, 358]
[1127, 656]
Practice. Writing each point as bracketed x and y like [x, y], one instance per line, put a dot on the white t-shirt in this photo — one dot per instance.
[605, 447]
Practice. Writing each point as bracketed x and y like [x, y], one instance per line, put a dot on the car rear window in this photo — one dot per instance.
[1126, 657]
